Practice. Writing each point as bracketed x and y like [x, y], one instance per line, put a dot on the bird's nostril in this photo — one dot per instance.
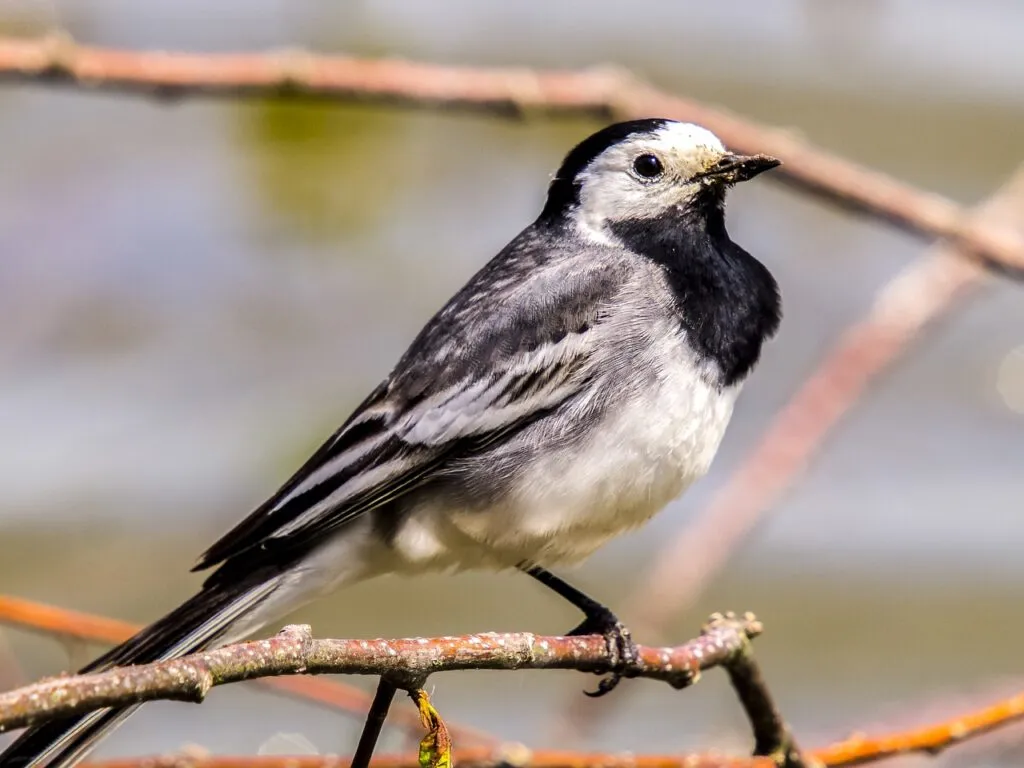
[724, 162]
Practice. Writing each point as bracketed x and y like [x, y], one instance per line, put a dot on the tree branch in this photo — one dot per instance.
[604, 93]
[64, 623]
[930, 739]
[502, 757]
[772, 736]
[405, 662]
[857, 750]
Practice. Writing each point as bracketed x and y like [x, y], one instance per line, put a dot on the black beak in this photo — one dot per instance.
[734, 168]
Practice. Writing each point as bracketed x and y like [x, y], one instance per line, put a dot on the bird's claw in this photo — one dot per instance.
[622, 651]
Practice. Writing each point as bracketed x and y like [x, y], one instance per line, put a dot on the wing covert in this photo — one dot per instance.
[474, 374]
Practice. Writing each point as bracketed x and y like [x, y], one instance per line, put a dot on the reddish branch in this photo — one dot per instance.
[408, 662]
[857, 750]
[724, 641]
[930, 739]
[28, 614]
[63, 622]
[605, 93]
[513, 755]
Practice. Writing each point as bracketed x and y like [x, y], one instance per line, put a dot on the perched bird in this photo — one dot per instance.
[579, 381]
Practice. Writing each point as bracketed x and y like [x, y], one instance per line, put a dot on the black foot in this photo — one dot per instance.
[625, 659]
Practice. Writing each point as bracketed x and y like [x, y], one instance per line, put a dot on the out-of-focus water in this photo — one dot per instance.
[195, 294]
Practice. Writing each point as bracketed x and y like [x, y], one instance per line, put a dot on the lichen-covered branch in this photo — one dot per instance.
[604, 92]
[722, 645]
[406, 662]
[64, 623]
[772, 736]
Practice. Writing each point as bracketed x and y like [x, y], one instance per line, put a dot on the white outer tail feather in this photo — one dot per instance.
[78, 741]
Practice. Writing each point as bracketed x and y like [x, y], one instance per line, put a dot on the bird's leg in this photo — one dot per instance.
[599, 621]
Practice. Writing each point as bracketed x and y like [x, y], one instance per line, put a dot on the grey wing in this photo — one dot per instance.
[478, 371]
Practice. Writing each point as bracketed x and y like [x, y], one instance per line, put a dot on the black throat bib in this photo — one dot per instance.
[727, 301]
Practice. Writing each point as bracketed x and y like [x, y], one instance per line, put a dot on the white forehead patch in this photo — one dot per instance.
[611, 191]
[683, 136]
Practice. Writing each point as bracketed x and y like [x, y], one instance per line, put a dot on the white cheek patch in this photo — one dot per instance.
[609, 191]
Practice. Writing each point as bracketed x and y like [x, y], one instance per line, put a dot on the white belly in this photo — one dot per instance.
[643, 456]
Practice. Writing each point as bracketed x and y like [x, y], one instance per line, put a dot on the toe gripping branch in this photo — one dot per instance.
[599, 620]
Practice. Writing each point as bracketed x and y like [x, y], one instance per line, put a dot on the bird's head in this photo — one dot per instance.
[646, 169]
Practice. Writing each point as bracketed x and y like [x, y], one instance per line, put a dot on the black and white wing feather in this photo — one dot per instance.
[481, 369]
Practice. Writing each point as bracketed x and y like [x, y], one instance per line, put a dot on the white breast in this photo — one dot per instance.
[646, 452]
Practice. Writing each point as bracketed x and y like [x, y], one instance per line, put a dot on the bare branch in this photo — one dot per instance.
[772, 736]
[374, 723]
[64, 623]
[604, 93]
[406, 662]
[930, 739]
[857, 750]
[504, 756]
[724, 641]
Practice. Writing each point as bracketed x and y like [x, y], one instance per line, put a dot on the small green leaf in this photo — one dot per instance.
[436, 746]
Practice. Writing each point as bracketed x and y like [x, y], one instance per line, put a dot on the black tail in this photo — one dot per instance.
[196, 624]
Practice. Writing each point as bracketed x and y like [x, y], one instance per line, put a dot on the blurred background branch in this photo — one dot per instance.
[604, 92]
[505, 755]
[859, 749]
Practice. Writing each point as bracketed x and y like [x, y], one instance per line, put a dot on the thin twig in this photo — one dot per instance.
[929, 739]
[294, 651]
[63, 623]
[856, 750]
[772, 736]
[479, 757]
[603, 92]
[374, 724]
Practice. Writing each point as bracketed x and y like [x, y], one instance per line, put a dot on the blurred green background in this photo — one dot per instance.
[195, 294]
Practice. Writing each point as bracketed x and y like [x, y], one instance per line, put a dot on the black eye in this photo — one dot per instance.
[648, 166]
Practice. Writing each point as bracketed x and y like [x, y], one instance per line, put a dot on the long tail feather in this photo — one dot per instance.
[196, 624]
